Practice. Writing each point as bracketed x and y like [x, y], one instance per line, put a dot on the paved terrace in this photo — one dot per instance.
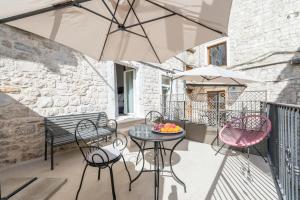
[206, 176]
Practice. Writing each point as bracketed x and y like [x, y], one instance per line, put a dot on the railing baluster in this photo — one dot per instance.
[297, 151]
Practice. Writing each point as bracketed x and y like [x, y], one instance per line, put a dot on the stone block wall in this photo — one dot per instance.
[20, 132]
[150, 82]
[39, 78]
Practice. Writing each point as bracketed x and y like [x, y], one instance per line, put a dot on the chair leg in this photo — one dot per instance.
[216, 138]
[260, 154]
[112, 183]
[81, 181]
[143, 144]
[127, 172]
[99, 171]
[220, 149]
[52, 159]
[161, 155]
[162, 144]
[46, 148]
[249, 176]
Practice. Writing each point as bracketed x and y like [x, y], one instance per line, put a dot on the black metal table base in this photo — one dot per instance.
[157, 151]
[18, 190]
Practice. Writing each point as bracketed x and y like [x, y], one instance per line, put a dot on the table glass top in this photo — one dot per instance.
[144, 132]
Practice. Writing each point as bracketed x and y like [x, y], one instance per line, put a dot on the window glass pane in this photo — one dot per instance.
[217, 54]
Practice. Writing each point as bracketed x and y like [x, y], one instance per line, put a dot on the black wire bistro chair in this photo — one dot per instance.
[88, 140]
[152, 118]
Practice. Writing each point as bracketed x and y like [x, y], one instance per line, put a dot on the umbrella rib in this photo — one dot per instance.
[185, 17]
[91, 11]
[144, 32]
[114, 31]
[144, 22]
[128, 12]
[135, 33]
[150, 20]
[112, 14]
[210, 79]
[128, 32]
[206, 78]
[236, 81]
[108, 30]
[41, 11]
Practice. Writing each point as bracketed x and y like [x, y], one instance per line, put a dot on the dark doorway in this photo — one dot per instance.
[120, 88]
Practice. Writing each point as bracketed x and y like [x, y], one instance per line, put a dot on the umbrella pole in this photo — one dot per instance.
[218, 117]
[217, 121]
[170, 99]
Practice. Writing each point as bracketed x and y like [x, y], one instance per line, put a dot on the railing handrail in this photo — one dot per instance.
[284, 105]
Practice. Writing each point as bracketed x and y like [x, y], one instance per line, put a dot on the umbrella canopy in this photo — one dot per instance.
[140, 30]
[216, 75]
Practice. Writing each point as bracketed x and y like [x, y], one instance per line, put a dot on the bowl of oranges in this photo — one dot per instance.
[166, 128]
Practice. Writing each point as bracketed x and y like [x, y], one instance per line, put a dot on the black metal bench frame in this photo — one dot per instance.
[60, 130]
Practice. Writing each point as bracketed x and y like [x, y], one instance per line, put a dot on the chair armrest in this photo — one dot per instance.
[113, 124]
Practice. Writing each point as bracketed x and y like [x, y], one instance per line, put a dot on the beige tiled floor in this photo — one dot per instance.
[206, 176]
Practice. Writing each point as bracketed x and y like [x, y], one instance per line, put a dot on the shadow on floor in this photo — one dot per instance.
[206, 176]
[231, 183]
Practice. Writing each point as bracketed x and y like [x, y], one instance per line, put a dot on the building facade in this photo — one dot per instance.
[263, 41]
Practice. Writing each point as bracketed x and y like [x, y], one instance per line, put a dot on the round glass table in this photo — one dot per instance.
[144, 133]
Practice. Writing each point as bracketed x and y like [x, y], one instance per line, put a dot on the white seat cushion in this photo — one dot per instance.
[110, 150]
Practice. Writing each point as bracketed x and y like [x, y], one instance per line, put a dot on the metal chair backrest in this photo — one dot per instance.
[153, 117]
[88, 139]
[245, 131]
[251, 123]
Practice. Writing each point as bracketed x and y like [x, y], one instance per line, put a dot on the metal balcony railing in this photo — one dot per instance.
[213, 108]
[284, 149]
[284, 139]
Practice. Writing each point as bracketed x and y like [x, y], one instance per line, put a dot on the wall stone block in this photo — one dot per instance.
[45, 102]
[61, 101]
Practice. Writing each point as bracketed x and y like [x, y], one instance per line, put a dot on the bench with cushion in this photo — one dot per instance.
[60, 130]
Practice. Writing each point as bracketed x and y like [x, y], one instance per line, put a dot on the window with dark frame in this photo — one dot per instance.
[217, 54]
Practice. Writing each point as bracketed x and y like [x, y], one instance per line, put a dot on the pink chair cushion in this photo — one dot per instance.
[241, 138]
[255, 129]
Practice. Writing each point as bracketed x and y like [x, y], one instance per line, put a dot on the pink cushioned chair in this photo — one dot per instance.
[245, 132]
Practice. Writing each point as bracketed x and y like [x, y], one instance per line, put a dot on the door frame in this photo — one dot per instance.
[125, 90]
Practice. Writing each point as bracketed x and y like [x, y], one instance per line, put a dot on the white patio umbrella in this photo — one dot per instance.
[215, 74]
[140, 30]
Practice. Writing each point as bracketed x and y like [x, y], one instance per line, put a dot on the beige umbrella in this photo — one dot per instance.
[215, 74]
[140, 30]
